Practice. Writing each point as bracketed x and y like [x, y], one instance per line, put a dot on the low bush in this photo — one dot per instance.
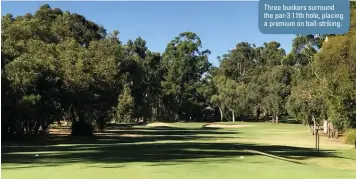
[350, 136]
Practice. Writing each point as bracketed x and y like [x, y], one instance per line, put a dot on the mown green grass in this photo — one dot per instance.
[184, 150]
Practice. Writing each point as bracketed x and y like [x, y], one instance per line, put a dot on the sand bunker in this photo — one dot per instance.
[225, 126]
[131, 135]
[60, 131]
[158, 124]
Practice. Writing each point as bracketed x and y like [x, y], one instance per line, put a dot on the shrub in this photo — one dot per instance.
[350, 136]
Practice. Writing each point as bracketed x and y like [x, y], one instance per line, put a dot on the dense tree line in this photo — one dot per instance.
[60, 66]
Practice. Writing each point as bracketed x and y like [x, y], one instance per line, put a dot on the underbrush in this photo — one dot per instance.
[350, 136]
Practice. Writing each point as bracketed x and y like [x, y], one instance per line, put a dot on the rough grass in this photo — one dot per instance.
[182, 150]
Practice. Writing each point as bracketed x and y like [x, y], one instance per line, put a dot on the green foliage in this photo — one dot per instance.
[75, 26]
[324, 86]
[184, 63]
[251, 79]
[51, 64]
[271, 54]
[350, 136]
[124, 109]
[334, 65]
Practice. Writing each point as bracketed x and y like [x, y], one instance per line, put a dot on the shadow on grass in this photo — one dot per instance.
[153, 145]
[120, 135]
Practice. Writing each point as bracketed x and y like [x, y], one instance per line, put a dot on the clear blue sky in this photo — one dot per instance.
[220, 25]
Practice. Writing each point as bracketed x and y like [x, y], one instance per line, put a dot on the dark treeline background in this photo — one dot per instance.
[61, 66]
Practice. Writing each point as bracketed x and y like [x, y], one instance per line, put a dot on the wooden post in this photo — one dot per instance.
[317, 140]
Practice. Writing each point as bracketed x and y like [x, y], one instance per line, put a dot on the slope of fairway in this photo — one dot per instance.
[261, 150]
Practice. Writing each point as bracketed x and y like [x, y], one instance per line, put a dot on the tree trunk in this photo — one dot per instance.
[266, 116]
[336, 133]
[221, 114]
[81, 116]
[233, 115]
[331, 130]
[277, 119]
[306, 121]
[22, 129]
[258, 112]
[101, 124]
[37, 127]
[72, 114]
[31, 127]
[44, 126]
[273, 119]
[314, 125]
[325, 126]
